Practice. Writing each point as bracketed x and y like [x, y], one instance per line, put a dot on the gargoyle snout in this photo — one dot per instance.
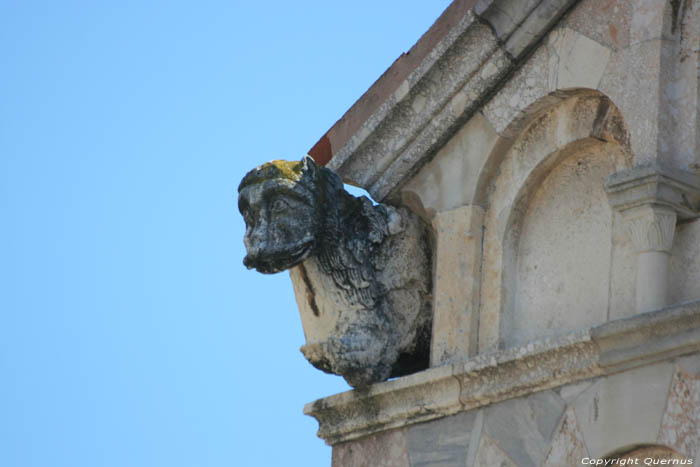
[253, 255]
[255, 241]
[249, 262]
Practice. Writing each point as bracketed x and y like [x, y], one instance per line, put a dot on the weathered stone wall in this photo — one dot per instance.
[591, 100]
[556, 257]
[653, 405]
[684, 283]
[558, 168]
[564, 253]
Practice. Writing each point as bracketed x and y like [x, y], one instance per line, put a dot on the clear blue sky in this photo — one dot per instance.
[130, 332]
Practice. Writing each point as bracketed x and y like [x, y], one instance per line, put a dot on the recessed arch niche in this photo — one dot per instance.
[555, 253]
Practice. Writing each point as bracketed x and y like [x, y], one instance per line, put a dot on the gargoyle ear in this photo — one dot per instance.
[310, 166]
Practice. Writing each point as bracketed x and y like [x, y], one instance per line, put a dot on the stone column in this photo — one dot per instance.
[456, 288]
[652, 228]
[651, 198]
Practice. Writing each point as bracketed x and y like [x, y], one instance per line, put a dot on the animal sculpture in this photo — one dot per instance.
[361, 272]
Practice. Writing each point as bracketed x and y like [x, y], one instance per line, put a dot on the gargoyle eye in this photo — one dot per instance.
[279, 205]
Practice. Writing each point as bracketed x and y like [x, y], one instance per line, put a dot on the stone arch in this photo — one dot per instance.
[605, 124]
[551, 131]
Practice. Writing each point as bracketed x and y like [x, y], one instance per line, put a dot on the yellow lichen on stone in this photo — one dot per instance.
[277, 169]
[291, 170]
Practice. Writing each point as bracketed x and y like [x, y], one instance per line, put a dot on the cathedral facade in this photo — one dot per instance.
[552, 147]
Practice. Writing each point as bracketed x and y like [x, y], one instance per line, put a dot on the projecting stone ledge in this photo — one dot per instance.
[490, 378]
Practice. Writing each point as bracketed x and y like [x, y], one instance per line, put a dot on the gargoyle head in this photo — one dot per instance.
[281, 204]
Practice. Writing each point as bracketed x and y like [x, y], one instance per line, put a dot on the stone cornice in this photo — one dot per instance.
[463, 68]
[655, 185]
[648, 337]
[489, 378]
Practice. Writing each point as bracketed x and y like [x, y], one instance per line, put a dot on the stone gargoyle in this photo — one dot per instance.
[361, 272]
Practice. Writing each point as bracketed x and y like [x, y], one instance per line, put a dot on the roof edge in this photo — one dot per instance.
[351, 121]
[430, 92]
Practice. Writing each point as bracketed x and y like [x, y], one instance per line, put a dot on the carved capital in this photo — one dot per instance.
[651, 228]
[655, 185]
[651, 197]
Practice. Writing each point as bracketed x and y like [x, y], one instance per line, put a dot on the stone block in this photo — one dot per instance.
[650, 19]
[684, 281]
[456, 288]
[567, 446]
[575, 61]
[443, 442]
[519, 25]
[680, 427]
[447, 117]
[523, 427]
[605, 21]
[631, 73]
[679, 128]
[566, 60]
[490, 455]
[624, 409]
[387, 449]
[527, 85]
[450, 179]
[570, 392]
[536, 25]
[690, 364]
[440, 94]
[622, 271]
[504, 16]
